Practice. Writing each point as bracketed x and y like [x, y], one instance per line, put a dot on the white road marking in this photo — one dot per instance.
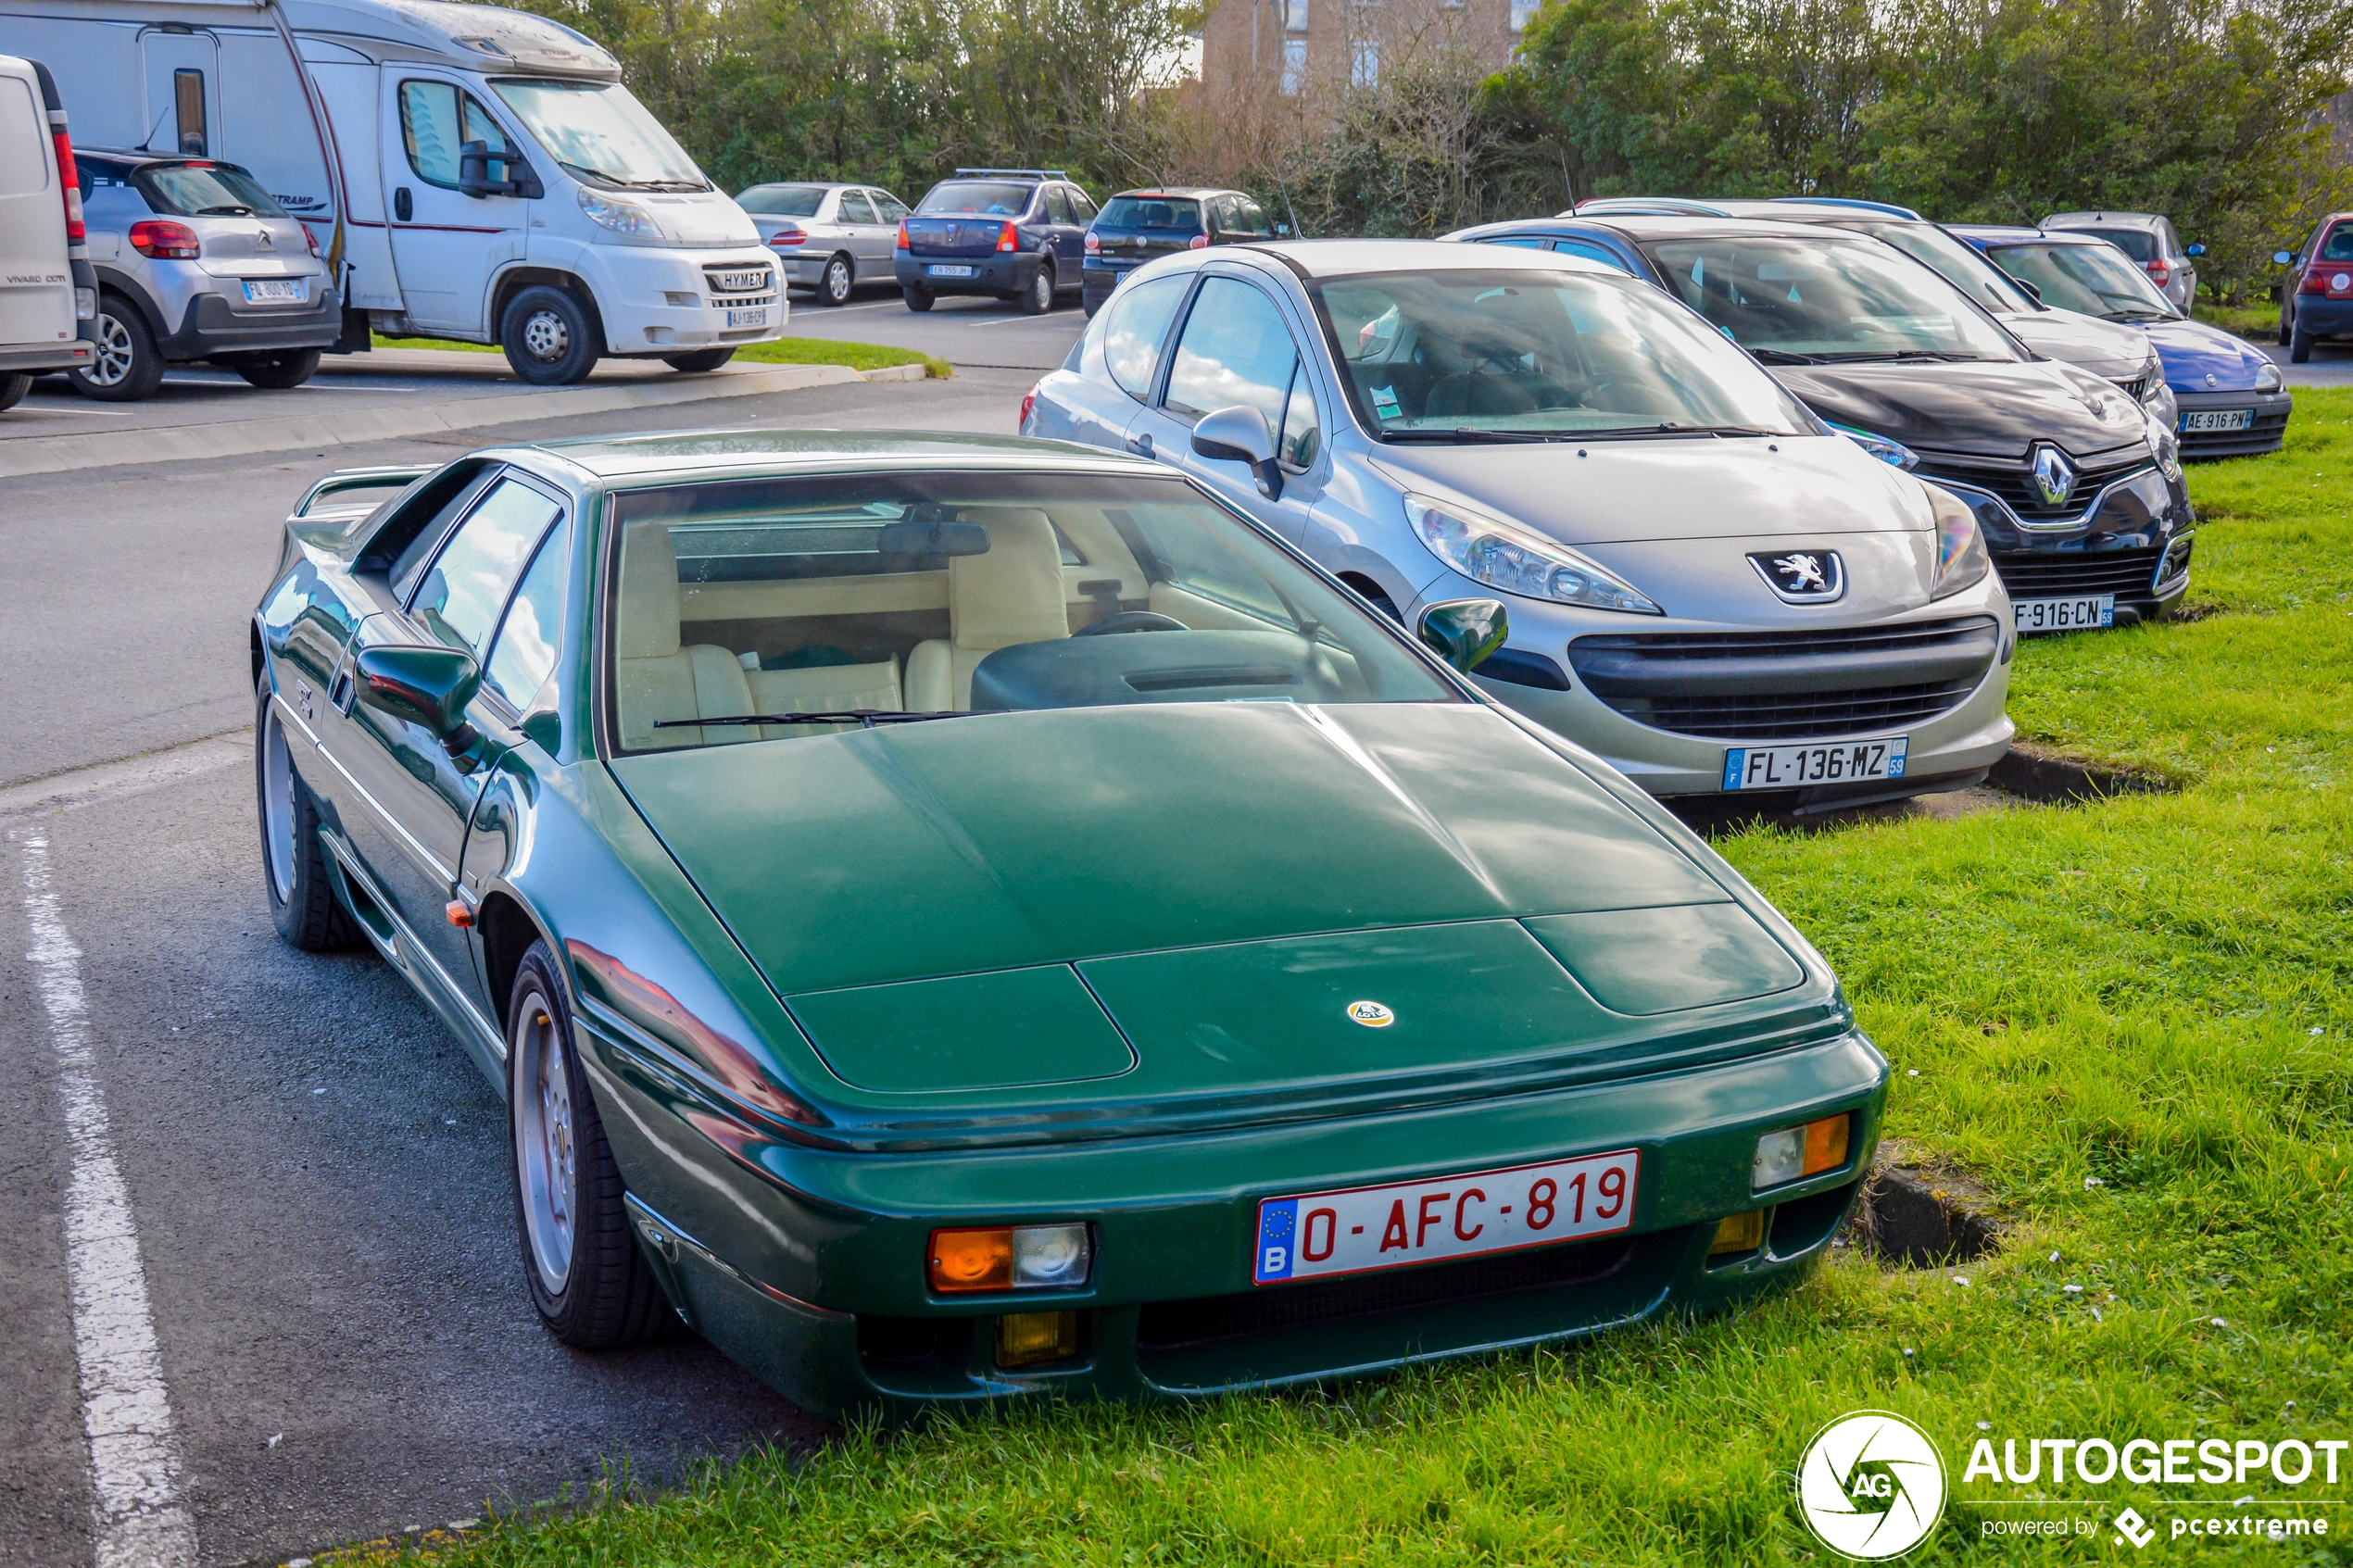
[134, 1453]
[108, 781]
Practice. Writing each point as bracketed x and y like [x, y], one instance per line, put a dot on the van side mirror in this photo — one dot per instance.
[426, 686]
[2193, 250]
[2283, 258]
[475, 160]
[1241, 435]
[1463, 632]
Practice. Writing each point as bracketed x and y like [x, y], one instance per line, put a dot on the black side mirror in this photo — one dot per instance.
[475, 160]
[1240, 436]
[428, 687]
[1463, 632]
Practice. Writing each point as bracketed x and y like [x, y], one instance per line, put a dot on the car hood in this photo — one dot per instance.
[698, 217]
[1623, 492]
[2199, 357]
[1992, 410]
[1010, 840]
[2109, 349]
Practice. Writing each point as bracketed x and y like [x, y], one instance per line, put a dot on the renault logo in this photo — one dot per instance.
[2054, 476]
[1802, 577]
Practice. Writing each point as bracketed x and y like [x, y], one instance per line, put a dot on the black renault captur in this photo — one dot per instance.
[2078, 490]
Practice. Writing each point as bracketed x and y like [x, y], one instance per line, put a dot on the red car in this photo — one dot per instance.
[2316, 297]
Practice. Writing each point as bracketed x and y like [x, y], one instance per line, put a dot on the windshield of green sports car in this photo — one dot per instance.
[1792, 301]
[783, 608]
[2096, 280]
[1534, 354]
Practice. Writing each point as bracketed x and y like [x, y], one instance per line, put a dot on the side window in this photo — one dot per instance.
[1522, 242]
[1080, 207]
[855, 209]
[891, 207]
[1135, 326]
[1236, 349]
[1303, 434]
[1253, 221]
[460, 598]
[436, 120]
[525, 654]
[1057, 204]
[1592, 252]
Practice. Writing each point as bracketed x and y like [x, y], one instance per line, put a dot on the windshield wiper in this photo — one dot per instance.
[614, 180]
[1463, 434]
[1783, 356]
[224, 211]
[866, 718]
[1897, 356]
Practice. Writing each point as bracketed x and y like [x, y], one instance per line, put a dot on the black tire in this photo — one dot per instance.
[13, 386]
[917, 299]
[603, 1294]
[2299, 347]
[126, 365]
[550, 337]
[698, 361]
[2286, 332]
[302, 904]
[1038, 298]
[277, 372]
[840, 279]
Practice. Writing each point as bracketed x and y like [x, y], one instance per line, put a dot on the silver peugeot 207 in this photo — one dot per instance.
[1705, 584]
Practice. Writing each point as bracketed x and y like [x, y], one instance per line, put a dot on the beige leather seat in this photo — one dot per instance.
[1014, 594]
[659, 678]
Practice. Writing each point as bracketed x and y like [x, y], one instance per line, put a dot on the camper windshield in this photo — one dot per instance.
[602, 135]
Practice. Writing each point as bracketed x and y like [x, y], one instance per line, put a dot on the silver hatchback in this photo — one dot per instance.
[827, 237]
[196, 261]
[1706, 585]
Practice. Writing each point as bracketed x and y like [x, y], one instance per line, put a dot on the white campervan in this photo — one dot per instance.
[470, 171]
[48, 293]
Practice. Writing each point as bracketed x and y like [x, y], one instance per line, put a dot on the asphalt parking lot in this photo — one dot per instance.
[315, 1175]
[975, 332]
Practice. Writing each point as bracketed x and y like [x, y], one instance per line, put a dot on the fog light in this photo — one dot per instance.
[1030, 1338]
[1010, 1257]
[1794, 1152]
[1740, 1233]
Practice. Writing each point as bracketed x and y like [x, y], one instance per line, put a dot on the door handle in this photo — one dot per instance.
[1140, 445]
[403, 205]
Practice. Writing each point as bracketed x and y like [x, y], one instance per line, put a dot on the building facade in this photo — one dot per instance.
[1291, 48]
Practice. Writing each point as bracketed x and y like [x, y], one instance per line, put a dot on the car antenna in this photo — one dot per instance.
[149, 144]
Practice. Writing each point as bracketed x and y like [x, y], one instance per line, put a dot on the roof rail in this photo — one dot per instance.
[1888, 207]
[1643, 207]
[1013, 173]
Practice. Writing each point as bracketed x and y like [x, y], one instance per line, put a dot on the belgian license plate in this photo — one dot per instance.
[1361, 1229]
[2079, 614]
[2219, 419]
[1788, 767]
[755, 316]
[940, 270]
[272, 290]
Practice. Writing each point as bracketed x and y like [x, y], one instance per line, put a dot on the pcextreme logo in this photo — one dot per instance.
[1872, 1486]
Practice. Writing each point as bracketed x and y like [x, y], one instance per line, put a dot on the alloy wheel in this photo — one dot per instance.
[546, 337]
[544, 1147]
[837, 281]
[278, 808]
[110, 363]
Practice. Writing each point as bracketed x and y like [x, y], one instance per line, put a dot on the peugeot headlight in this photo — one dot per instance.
[1488, 550]
[623, 217]
[1961, 560]
[1891, 452]
[2267, 379]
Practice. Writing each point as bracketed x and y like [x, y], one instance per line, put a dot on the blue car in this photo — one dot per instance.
[2232, 401]
[1018, 233]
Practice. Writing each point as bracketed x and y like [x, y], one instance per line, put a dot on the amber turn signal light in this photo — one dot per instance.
[1010, 1257]
[1740, 1233]
[1796, 1152]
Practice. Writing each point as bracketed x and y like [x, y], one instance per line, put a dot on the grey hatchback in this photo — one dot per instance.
[195, 261]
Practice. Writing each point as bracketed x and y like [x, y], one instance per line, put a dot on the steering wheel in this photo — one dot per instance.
[1131, 620]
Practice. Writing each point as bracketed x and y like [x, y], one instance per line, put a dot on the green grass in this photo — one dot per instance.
[2257, 324]
[781, 351]
[2154, 993]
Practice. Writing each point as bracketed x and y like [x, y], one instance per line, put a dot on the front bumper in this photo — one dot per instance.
[657, 302]
[2133, 541]
[1003, 272]
[807, 1266]
[2267, 430]
[215, 324]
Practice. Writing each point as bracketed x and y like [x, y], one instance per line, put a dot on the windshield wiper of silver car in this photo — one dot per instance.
[866, 718]
[1784, 357]
[1898, 355]
[224, 210]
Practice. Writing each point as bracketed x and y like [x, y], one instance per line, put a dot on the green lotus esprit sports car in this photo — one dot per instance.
[958, 918]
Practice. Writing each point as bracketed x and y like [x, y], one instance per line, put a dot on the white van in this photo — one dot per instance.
[47, 290]
[469, 172]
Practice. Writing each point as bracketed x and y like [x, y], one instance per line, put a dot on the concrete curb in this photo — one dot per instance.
[32, 454]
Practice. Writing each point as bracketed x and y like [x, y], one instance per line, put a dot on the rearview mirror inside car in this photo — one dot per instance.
[429, 687]
[1240, 436]
[933, 539]
[1463, 632]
